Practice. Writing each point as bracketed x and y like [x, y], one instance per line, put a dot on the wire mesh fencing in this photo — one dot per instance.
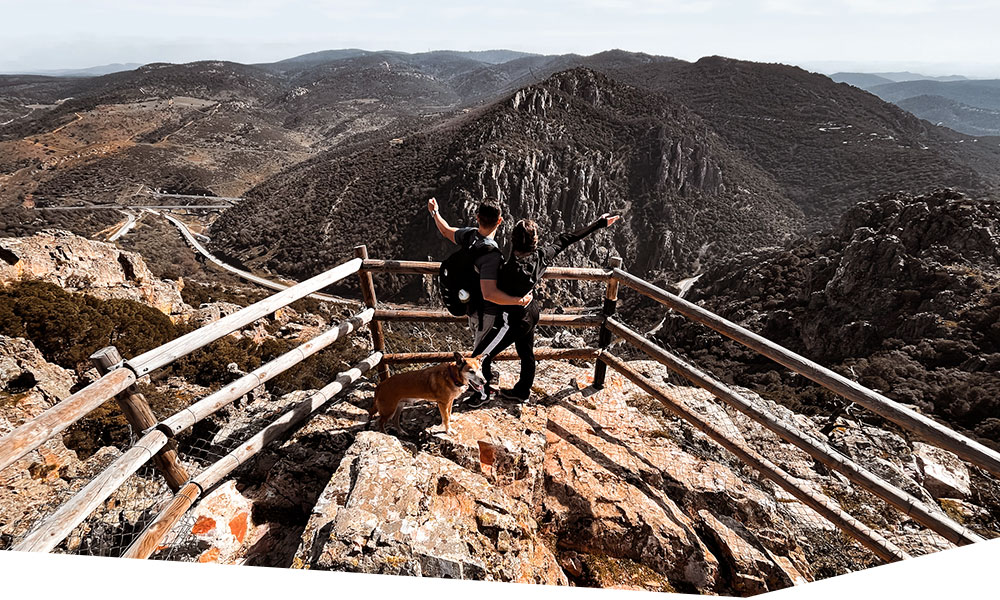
[879, 449]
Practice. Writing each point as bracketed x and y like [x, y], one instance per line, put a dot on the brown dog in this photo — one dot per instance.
[441, 384]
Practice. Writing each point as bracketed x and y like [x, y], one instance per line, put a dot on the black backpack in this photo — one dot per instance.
[518, 276]
[458, 274]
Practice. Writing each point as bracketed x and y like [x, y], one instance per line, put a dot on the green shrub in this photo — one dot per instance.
[67, 328]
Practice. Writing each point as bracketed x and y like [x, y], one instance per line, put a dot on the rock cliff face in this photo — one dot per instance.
[561, 152]
[34, 485]
[75, 263]
[904, 295]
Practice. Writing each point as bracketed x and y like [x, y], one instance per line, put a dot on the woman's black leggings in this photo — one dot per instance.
[504, 332]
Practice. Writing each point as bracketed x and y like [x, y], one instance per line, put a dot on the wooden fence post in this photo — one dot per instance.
[610, 303]
[368, 294]
[141, 418]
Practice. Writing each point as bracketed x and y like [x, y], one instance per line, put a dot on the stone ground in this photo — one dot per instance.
[580, 487]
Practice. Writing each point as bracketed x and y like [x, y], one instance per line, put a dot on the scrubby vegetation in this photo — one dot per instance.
[67, 328]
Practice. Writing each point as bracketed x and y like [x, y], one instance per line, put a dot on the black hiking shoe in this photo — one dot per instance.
[514, 396]
[477, 399]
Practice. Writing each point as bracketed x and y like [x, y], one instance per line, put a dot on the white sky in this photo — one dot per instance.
[934, 37]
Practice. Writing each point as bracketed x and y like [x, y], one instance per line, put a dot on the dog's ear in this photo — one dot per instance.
[458, 359]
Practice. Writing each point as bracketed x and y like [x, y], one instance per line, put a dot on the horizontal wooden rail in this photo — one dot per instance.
[932, 518]
[416, 315]
[35, 432]
[213, 474]
[149, 539]
[171, 351]
[54, 529]
[416, 267]
[868, 537]
[540, 354]
[213, 402]
[930, 430]
[271, 285]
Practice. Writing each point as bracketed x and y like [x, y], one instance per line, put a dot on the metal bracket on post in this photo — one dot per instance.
[368, 294]
[604, 338]
[141, 418]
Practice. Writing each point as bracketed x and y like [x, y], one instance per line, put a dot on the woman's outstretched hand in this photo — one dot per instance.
[610, 218]
[432, 205]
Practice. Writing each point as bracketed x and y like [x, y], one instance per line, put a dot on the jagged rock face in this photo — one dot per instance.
[903, 294]
[387, 510]
[561, 152]
[75, 263]
[619, 484]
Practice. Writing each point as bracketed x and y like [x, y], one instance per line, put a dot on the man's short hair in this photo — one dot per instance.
[524, 238]
[489, 212]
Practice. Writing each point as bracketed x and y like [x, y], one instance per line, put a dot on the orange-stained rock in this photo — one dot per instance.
[210, 555]
[203, 525]
[225, 505]
[238, 526]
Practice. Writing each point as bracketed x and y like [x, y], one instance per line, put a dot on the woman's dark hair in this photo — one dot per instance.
[489, 212]
[524, 238]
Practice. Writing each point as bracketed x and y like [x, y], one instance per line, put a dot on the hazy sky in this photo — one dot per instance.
[933, 36]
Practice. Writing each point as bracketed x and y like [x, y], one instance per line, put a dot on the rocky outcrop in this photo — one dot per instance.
[388, 510]
[944, 474]
[902, 296]
[75, 263]
[587, 488]
[35, 484]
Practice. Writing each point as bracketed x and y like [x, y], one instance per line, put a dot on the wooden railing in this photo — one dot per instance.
[926, 428]
[121, 377]
[119, 381]
[930, 516]
[35, 432]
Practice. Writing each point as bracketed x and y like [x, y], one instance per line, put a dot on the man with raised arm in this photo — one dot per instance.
[487, 264]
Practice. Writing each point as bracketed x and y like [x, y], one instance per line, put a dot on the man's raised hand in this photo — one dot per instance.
[432, 205]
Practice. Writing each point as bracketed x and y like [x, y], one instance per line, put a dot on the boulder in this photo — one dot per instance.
[944, 474]
[754, 569]
[390, 510]
[99, 269]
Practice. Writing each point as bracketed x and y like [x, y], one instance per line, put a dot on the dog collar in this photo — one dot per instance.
[454, 376]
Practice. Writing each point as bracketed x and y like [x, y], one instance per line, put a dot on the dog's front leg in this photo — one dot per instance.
[445, 410]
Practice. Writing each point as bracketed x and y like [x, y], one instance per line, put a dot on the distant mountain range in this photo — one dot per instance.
[967, 105]
[866, 80]
[704, 158]
[87, 72]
